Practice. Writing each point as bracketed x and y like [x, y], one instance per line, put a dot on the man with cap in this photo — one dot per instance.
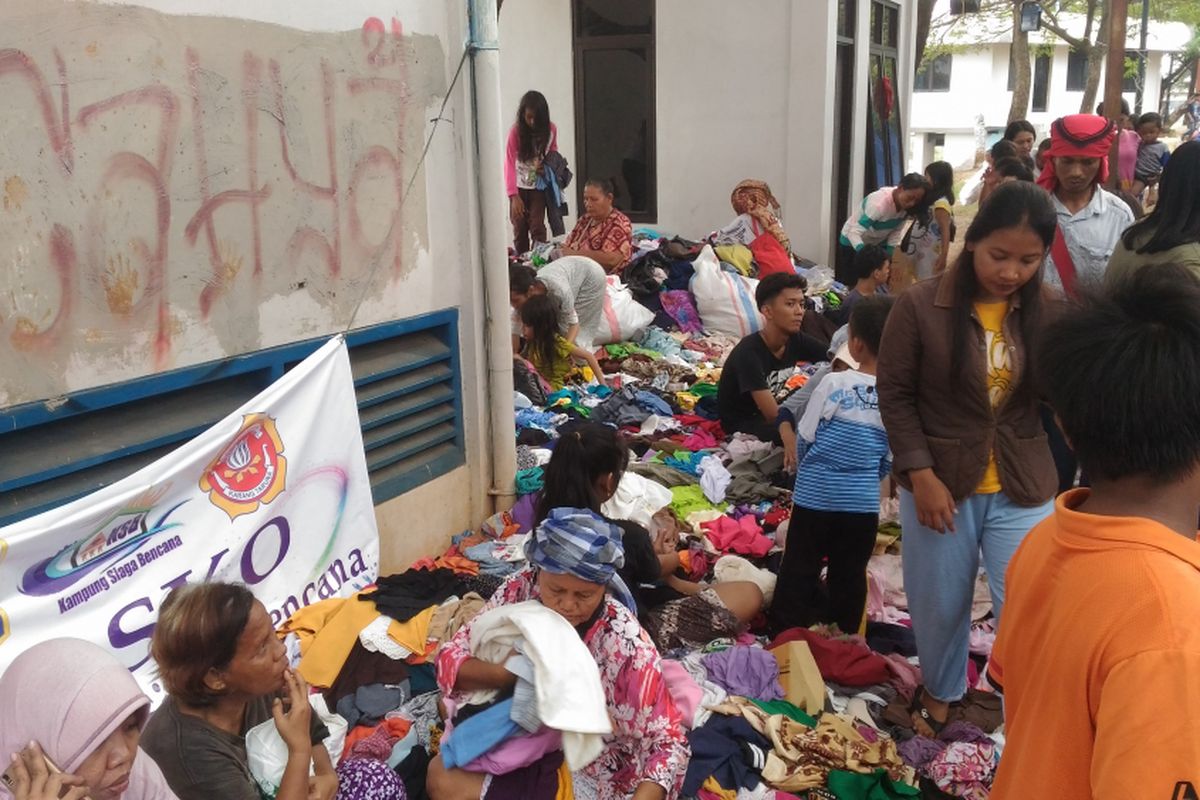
[1090, 219]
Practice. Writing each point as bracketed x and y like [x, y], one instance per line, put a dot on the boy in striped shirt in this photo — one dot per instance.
[842, 453]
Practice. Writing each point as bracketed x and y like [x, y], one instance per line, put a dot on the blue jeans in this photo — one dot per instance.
[939, 578]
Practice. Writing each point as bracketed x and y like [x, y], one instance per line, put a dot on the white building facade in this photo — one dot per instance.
[961, 99]
[679, 100]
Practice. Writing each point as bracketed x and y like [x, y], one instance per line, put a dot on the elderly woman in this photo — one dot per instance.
[225, 672]
[602, 234]
[574, 555]
[73, 703]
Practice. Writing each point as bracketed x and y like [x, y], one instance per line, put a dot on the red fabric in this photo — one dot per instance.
[845, 662]
[1063, 262]
[394, 728]
[737, 536]
[699, 440]
[769, 254]
[1078, 136]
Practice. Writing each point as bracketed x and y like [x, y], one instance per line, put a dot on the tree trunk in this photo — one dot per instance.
[1020, 62]
[1096, 55]
[924, 20]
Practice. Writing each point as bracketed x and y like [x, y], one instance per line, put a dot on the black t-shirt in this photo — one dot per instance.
[642, 571]
[751, 367]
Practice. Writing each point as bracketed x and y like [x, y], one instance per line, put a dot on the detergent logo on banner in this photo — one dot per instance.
[250, 471]
[121, 534]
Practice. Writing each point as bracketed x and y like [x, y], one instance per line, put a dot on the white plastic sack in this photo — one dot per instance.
[623, 318]
[725, 300]
[637, 499]
[268, 755]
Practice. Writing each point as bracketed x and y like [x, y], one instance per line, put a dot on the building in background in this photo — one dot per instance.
[678, 100]
[961, 99]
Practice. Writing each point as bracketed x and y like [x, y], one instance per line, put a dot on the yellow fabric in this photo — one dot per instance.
[566, 789]
[738, 255]
[710, 785]
[328, 629]
[999, 376]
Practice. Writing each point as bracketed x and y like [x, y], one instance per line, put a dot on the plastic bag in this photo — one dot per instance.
[623, 317]
[267, 754]
[725, 300]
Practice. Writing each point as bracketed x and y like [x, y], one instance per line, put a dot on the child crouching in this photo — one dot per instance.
[551, 354]
[842, 453]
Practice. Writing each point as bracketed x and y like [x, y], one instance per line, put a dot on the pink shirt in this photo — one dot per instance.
[516, 172]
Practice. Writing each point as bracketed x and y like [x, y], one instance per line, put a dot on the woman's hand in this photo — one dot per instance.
[322, 787]
[935, 504]
[33, 780]
[293, 725]
[516, 208]
[665, 541]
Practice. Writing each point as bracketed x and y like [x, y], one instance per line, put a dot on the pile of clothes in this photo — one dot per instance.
[815, 712]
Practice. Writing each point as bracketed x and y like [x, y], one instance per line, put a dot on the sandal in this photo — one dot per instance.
[918, 710]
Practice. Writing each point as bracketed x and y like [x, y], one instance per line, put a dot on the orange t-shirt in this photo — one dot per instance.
[1098, 656]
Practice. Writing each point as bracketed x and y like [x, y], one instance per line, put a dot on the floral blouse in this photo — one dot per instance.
[648, 742]
[613, 234]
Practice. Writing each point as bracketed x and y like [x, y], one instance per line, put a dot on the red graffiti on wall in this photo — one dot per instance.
[198, 199]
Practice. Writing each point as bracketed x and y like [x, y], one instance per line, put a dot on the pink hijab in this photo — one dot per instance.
[69, 695]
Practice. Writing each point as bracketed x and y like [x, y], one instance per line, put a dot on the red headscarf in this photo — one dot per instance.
[1078, 136]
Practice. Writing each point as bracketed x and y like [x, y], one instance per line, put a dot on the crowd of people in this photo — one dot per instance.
[1031, 406]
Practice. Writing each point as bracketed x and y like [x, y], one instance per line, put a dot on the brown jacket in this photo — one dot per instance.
[934, 421]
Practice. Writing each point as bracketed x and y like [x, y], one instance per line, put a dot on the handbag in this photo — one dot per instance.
[769, 253]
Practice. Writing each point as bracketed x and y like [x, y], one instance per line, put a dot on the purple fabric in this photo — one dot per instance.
[517, 752]
[524, 511]
[364, 779]
[746, 672]
[964, 732]
[679, 306]
[919, 751]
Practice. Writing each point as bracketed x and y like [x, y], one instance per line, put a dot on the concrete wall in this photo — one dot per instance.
[187, 180]
[745, 94]
[954, 113]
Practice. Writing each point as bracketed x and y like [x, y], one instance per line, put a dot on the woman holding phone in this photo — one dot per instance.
[71, 717]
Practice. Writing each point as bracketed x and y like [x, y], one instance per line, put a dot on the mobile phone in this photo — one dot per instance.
[10, 781]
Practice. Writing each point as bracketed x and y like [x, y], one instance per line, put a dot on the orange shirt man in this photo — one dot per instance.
[1098, 653]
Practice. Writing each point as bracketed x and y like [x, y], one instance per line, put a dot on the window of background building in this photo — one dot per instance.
[1077, 71]
[843, 109]
[934, 74]
[1041, 81]
[885, 159]
[614, 101]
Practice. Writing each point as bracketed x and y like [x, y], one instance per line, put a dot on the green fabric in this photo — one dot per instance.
[617, 350]
[876, 786]
[785, 708]
[530, 480]
[689, 499]
[703, 389]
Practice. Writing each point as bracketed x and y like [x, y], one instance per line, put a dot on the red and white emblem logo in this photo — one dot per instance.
[250, 471]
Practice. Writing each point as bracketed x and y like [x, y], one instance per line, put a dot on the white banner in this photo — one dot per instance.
[275, 496]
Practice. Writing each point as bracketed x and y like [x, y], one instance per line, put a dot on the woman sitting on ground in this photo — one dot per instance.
[224, 669]
[73, 703]
[584, 471]
[603, 233]
[573, 561]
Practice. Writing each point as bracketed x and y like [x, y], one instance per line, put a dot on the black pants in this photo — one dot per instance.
[843, 268]
[847, 541]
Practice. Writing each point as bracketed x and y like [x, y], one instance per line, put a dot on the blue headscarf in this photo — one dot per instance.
[580, 542]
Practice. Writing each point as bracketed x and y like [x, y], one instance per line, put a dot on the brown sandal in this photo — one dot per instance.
[920, 713]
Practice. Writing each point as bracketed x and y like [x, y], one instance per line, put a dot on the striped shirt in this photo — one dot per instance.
[880, 222]
[842, 447]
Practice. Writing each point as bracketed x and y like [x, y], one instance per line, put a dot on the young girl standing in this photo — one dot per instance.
[531, 137]
[962, 417]
[929, 238]
[551, 354]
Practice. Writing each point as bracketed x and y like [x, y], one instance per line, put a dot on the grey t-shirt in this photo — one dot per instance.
[202, 762]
